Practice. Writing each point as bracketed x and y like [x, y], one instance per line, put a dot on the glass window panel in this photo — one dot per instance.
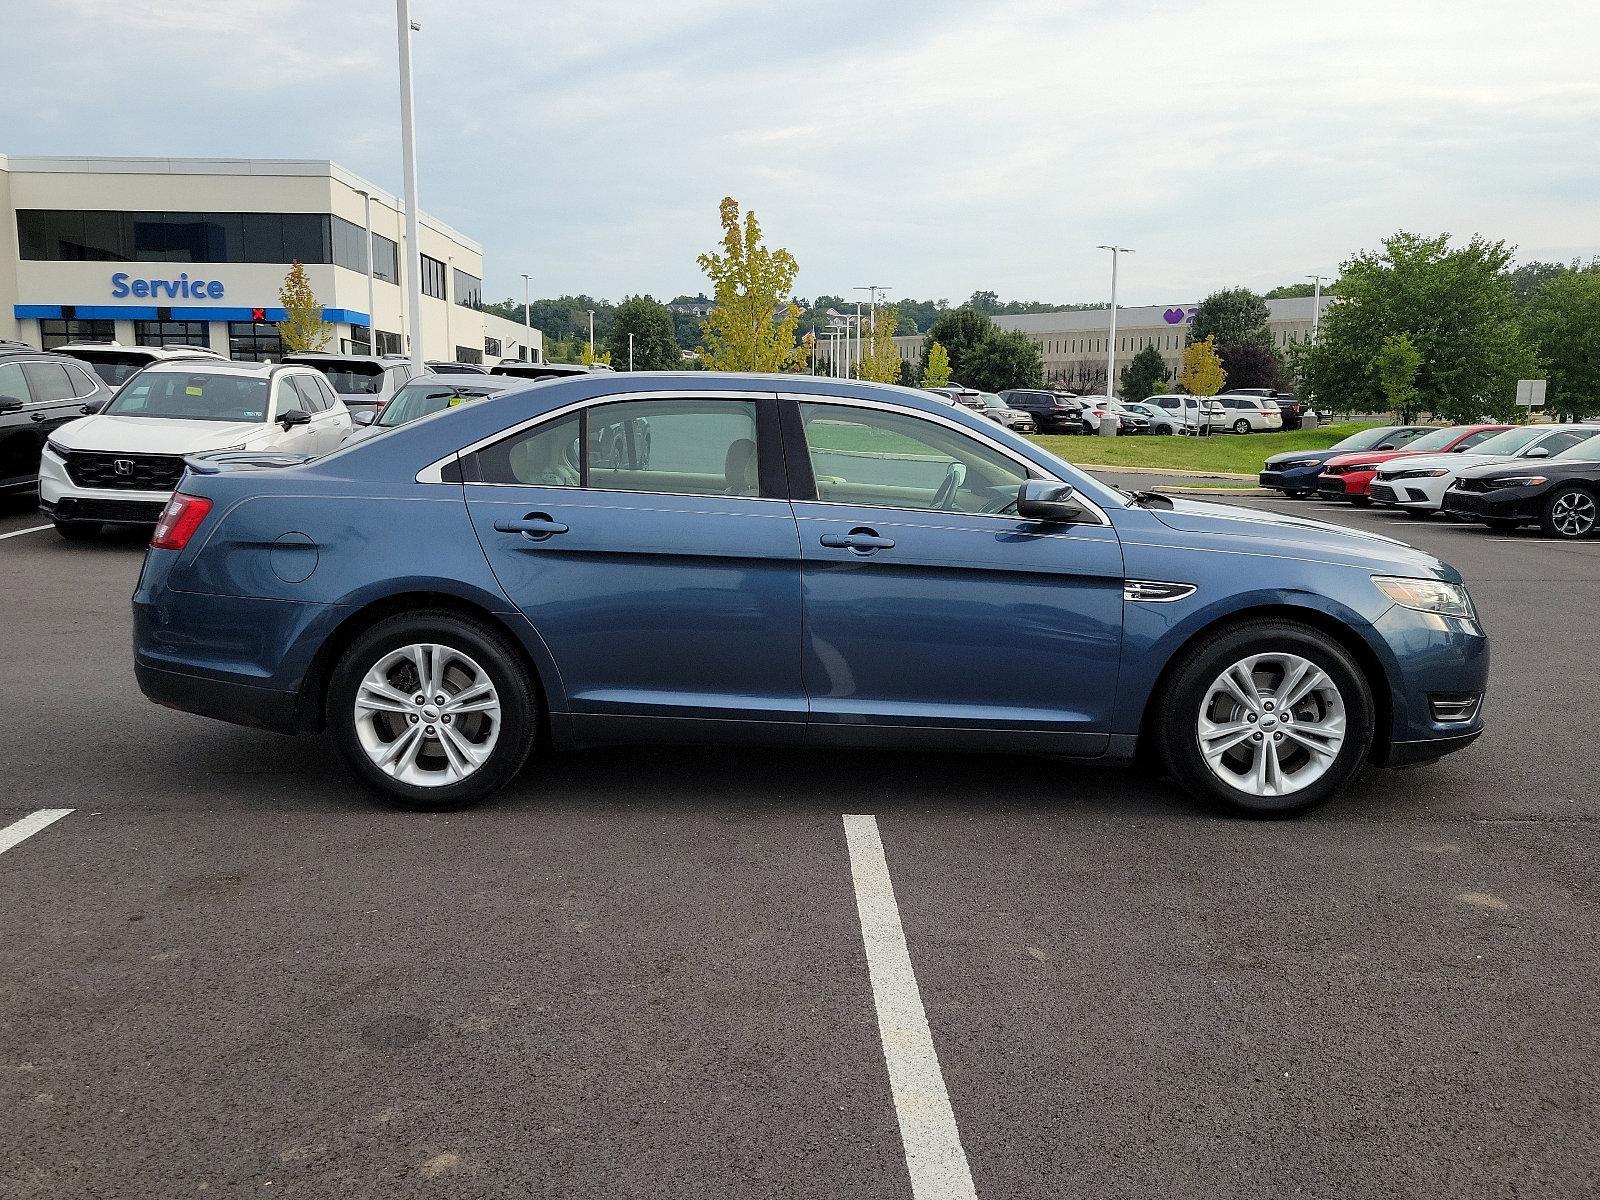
[48, 381]
[307, 238]
[680, 447]
[547, 455]
[225, 237]
[385, 259]
[108, 236]
[254, 341]
[468, 290]
[263, 237]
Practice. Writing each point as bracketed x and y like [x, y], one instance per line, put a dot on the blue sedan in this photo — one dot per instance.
[784, 560]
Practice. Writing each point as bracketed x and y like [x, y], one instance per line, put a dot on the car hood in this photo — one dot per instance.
[1551, 468]
[1289, 456]
[157, 435]
[1427, 462]
[1299, 537]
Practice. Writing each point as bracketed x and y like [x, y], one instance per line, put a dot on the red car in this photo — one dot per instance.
[1349, 476]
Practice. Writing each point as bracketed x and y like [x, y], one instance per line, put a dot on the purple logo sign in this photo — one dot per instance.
[1174, 316]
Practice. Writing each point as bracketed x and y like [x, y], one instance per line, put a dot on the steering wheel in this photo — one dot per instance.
[955, 475]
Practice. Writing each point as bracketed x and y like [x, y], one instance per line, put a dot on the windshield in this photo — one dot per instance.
[1439, 439]
[424, 399]
[1510, 441]
[193, 396]
[353, 379]
[989, 400]
[1366, 439]
[1587, 450]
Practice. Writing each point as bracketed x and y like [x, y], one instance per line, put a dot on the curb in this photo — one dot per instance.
[1109, 469]
[1186, 490]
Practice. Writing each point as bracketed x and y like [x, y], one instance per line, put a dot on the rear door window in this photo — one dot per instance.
[48, 381]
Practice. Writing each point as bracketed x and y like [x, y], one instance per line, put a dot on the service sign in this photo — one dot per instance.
[181, 288]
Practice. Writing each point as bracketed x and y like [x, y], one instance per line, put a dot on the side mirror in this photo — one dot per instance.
[363, 416]
[1538, 452]
[1386, 445]
[293, 417]
[1047, 500]
[9, 404]
[89, 407]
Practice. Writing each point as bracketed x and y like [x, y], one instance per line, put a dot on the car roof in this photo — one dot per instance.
[73, 349]
[221, 366]
[312, 357]
[466, 379]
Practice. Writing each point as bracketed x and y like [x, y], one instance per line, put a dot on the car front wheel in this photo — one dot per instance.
[1569, 512]
[1270, 718]
[432, 710]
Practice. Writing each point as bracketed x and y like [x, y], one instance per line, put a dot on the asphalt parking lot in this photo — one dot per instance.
[642, 972]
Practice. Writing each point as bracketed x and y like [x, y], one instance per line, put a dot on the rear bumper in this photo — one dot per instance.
[225, 700]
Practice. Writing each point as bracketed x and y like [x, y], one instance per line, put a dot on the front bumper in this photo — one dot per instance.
[1294, 479]
[1339, 487]
[1502, 504]
[1424, 494]
[1435, 660]
[63, 500]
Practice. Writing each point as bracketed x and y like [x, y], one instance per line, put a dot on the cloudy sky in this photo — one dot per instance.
[935, 146]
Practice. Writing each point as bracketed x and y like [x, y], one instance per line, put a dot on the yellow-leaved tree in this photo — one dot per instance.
[881, 360]
[937, 372]
[751, 326]
[589, 358]
[1201, 373]
[302, 327]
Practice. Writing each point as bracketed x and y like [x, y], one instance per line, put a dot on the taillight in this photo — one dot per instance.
[179, 519]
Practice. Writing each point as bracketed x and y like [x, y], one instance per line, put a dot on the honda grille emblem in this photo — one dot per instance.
[122, 466]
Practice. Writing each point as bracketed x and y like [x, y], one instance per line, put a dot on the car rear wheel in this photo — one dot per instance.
[1162, 430]
[1241, 426]
[77, 531]
[1569, 512]
[1268, 718]
[432, 710]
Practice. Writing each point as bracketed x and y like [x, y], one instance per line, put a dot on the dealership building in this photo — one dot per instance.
[1075, 343]
[164, 252]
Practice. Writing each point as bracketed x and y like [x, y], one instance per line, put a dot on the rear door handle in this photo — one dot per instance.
[863, 541]
[535, 526]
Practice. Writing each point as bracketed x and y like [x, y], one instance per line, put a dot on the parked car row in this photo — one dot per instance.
[1504, 476]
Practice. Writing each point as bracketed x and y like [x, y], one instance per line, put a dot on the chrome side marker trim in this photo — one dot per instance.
[1154, 591]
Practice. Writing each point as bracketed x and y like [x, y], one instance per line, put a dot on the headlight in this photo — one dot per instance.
[55, 447]
[1300, 462]
[1427, 595]
[1436, 473]
[1516, 481]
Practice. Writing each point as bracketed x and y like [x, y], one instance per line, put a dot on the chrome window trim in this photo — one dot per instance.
[1033, 469]
[432, 472]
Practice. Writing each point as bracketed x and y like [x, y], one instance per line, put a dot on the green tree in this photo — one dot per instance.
[1145, 375]
[1201, 373]
[1457, 307]
[655, 342]
[908, 374]
[935, 366]
[984, 302]
[1232, 317]
[1564, 323]
[590, 357]
[881, 360]
[959, 332]
[752, 323]
[1004, 360]
[302, 327]
[1395, 367]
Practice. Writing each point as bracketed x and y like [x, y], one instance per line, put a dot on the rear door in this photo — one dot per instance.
[650, 543]
[933, 615]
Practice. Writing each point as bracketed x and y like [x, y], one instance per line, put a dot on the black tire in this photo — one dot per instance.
[492, 650]
[1299, 495]
[78, 531]
[1178, 709]
[1241, 426]
[1502, 524]
[1162, 430]
[1421, 514]
[1569, 512]
[1360, 501]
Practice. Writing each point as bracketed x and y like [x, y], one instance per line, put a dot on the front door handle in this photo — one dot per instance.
[862, 541]
[38, 416]
[535, 526]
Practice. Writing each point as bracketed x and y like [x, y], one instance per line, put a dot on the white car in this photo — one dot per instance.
[1180, 413]
[120, 466]
[365, 382]
[1250, 414]
[1418, 483]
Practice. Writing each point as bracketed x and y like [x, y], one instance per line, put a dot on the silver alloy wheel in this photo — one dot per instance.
[1574, 513]
[1271, 724]
[427, 715]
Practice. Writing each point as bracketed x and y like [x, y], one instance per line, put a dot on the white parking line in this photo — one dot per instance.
[21, 831]
[934, 1157]
[20, 532]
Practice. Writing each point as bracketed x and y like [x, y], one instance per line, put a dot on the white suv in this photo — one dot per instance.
[114, 362]
[364, 382]
[1250, 414]
[1180, 413]
[120, 466]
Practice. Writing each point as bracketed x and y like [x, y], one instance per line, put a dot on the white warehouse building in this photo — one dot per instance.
[162, 252]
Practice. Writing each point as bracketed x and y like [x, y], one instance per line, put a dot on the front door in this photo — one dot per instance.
[650, 544]
[933, 610]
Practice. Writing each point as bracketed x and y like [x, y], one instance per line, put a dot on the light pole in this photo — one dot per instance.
[1111, 344]
[372, 319]
[527, 322]
[872, 290]
[449, 280]
[1316, 303]
[591, 337]
[408, 150]
[630, 351]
